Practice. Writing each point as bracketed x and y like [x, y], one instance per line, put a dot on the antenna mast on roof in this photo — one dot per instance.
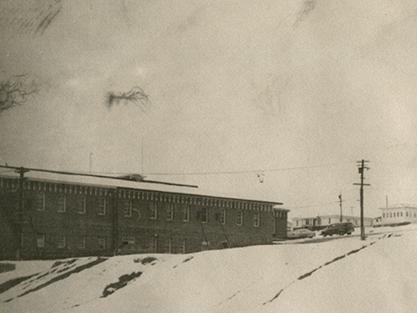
[90, 162]
[141, 156]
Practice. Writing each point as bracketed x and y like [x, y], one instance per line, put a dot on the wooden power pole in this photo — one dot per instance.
[341, 210]
[361, 168]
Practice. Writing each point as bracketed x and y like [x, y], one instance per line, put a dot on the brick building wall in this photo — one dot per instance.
[64, 220]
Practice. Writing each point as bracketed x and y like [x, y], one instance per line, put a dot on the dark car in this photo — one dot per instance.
[338, 229]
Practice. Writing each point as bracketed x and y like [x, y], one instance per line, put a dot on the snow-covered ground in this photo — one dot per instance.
[339, 274]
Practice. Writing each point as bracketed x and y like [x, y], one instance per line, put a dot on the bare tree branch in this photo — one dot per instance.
[135, 95]
[15, 91]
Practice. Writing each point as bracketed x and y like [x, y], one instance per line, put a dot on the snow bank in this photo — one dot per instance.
[340, 274]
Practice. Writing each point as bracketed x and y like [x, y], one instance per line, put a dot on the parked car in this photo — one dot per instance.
[300, 233]
[338, 229]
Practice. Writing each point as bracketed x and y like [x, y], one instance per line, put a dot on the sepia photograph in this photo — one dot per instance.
[223, 156]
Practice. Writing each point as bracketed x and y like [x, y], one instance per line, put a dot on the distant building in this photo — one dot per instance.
[65, 216]
[399, 214]
[322, 221]
[290, 225]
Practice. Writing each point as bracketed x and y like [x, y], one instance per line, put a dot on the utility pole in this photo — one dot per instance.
[340, 204]
[19, 223]
[361, 169]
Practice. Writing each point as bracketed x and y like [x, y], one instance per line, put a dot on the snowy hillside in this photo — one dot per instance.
[339, 274]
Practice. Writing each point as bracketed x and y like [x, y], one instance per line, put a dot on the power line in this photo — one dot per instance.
[248, 171]
[317, 204]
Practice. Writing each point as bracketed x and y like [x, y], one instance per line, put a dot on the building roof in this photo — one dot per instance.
[400, 206]
[118, 182]
[329, 216]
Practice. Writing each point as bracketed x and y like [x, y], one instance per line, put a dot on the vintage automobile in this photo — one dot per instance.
[300, 233]
[338, 229]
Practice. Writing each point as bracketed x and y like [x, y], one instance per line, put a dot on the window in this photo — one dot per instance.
[41, 201]
[101, 206]
[153, 211]
[296, 223]
[154, 243]
[307, 222]
[184, 246]
[127, 210]
[204, 245]
[170, 212]
[62, 203]
[239, 219]
[330, 220]
[256, 219]
[169, 245]
[61, 241]
[81, 243]
[186, 213]
[82, 205]
[135, 208]
[40, 240]
[406, 214]
[204, 215]
[222, 217]
[101, 241]
[128, 241]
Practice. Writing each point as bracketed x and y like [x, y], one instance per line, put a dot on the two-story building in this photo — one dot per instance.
[61, 216]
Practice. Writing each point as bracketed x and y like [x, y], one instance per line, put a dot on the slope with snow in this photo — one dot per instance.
[339, 274]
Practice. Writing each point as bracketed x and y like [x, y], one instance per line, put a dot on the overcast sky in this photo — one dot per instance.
[235, 86]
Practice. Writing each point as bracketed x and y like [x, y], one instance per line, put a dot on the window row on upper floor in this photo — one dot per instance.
[137, 209]
[159, 196]
[398, 214]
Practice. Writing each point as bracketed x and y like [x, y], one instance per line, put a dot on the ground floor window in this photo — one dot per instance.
[81, 243]
[154, 244]
[184, 246]
[40, 240]
[169, 245]
[61, 241]
[204, 245]
[128, 241]
[101, 243]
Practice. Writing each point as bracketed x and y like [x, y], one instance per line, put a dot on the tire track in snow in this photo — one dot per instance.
[336, 259]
